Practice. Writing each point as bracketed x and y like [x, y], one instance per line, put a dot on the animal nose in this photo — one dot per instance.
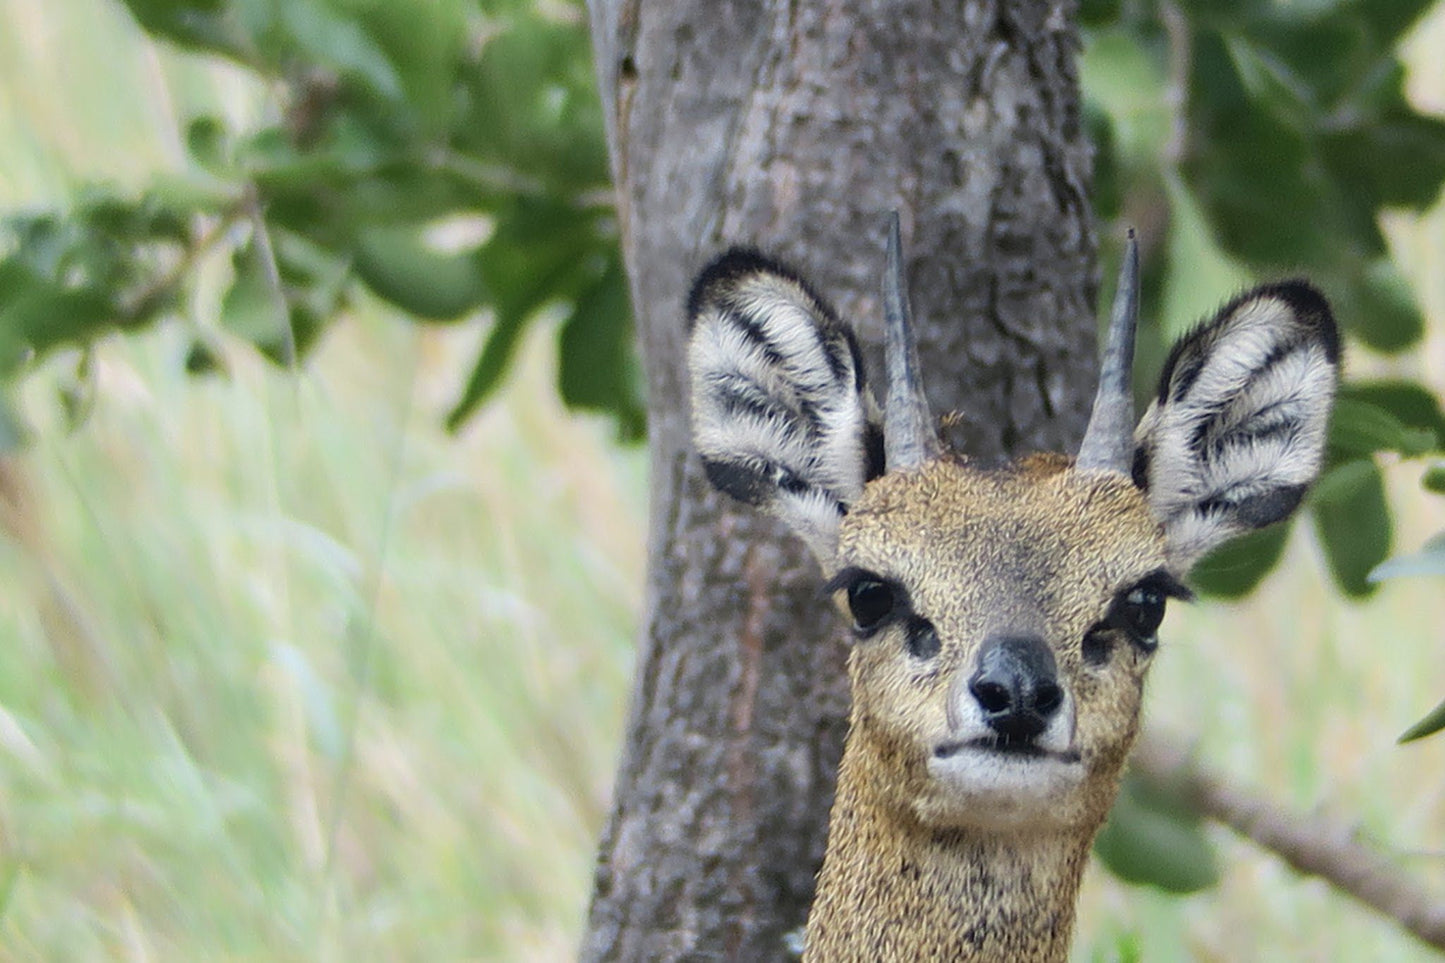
[1017, 686]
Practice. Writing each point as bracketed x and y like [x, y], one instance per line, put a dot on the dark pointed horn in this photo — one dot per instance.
[1109, 440]
[910, 437]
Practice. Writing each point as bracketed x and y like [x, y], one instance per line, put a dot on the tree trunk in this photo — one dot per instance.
[796, 127]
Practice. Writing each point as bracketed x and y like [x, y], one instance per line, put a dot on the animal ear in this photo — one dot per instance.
[781, 413]
[1236, 432]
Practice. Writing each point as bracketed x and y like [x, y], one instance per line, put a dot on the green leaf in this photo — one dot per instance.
[398, 264]
[1220, 13]
[1352, 520]
[254, 307]
[597, 366]
[1106, 188]
[1427, 726]
[194, 191]
[491, 364]
[1274, 103]
[1359, 428]
[315, 284]
[537, 254]
[328, 38]
[426, 42]
[1395, 162]
[1152, 840]
[1434, 478]
[38, 315]
[106, 217]
[1430, 560]
[208, 143]
[1383, 22]
[1270, 83]
[1379, 308]
[1388, 20]
[195, 24]
[1099, 13]
[530, 104]
[1412, 404]
[1330, 50]
[71, 277]
[203, 358]
[1233, 569]
[1257, 185]
[1251, 171]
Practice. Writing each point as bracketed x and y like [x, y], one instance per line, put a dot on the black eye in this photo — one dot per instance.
[1099, 644]
[1136, 612]
[1143, 610]
[870, 601]
[922, 639]
[1139, 612]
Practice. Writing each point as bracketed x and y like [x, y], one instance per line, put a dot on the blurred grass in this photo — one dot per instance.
[291, 675]
[287, 673]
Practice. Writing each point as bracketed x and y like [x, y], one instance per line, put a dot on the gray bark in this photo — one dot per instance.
[796, 127]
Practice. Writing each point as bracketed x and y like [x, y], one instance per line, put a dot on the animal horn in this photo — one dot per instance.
[1108, 441]
[910, 437]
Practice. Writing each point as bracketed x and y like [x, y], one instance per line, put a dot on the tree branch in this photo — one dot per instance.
[1312, 845]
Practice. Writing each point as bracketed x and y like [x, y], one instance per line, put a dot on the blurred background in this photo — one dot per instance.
[318, 646]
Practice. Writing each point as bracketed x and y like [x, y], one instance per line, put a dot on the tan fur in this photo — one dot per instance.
[1037, 547]
[985, 748]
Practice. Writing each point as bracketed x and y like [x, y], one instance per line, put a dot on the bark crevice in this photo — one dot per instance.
[797, 127]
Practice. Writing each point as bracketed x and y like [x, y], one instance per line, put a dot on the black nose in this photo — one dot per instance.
[1016, 686]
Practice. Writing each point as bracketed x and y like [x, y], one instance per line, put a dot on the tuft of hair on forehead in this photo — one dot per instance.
[781, 412]
[1236, 431]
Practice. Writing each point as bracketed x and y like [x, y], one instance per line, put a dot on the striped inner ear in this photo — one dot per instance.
[780, 408]
[1236, 432]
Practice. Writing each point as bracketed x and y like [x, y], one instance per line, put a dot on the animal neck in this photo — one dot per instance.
[894, 889]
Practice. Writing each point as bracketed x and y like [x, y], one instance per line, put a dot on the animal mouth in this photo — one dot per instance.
[1004, 746]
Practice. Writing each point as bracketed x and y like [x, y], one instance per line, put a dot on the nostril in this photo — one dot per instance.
[992, 696]
[1047, 698]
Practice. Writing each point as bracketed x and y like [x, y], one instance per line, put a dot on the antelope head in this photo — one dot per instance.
[1005, 618]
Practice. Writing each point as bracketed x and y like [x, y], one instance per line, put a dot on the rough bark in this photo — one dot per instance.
[795, 127]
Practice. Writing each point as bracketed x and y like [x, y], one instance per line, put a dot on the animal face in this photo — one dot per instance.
[1005, 619]
[1004, 624]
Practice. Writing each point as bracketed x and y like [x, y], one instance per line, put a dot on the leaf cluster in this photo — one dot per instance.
[446, 155]
[1284, 133]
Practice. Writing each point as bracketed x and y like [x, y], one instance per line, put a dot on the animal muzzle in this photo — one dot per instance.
[1016, 688]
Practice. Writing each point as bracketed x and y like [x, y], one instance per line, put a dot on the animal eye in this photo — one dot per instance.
[1143, 610]
[922, 639]
[1139, 612]
[870, 601]
[1098, 644]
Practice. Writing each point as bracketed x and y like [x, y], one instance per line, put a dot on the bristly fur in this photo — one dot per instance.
[781, 411]
[946, 843]
[1236, 431]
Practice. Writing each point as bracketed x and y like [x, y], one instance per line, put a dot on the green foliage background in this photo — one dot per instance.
[312, 655]
[447, 155]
